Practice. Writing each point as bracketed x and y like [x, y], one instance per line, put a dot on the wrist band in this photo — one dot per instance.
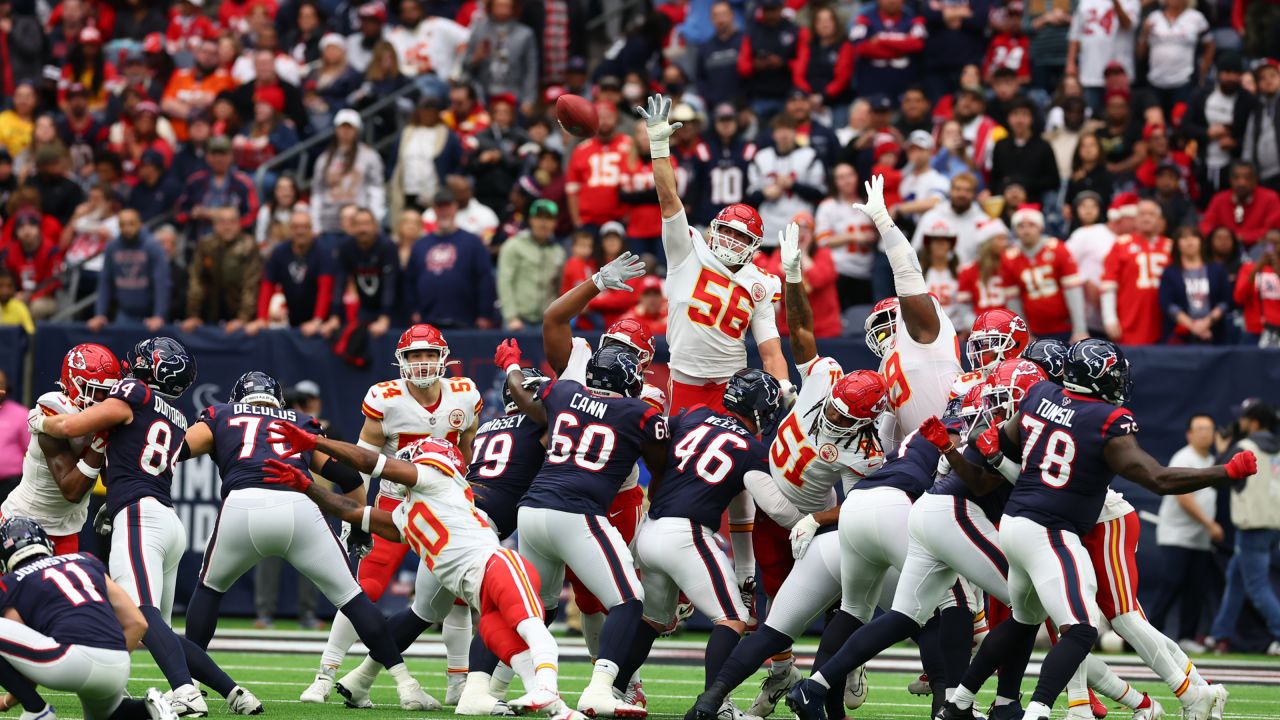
[87, 470]
[364, 521]
[513, 367]
[378, 466]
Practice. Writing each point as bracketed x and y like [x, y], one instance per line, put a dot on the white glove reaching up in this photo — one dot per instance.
[615, 275]
[789, 242]
[802, 534]
[35, 420]
[874, 207]
[660, 131]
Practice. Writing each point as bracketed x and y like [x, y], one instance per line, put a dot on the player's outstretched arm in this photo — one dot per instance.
[804, 346]
[557, 333]
[1127, 458]
[73, 480]
[507, 359]
[131, 620]
[915, 304]
[102, 416]
[655, 113]
[347, 509]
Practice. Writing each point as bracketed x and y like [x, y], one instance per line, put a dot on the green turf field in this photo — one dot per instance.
[277, 679]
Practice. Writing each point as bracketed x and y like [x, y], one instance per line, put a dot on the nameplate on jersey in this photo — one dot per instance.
[509, 422]
[264, 410]
[1054, 412]
[169, 412]
[588, 405]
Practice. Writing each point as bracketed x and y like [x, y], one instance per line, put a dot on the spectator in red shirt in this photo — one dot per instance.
[638, 196]
[1246, 209]
[611, 305]
[34, 260]
[1041, 281]
[1259, 286]
[1131, 310]
[981, 288]
[1010, 47]
[1245, 298]
[188, 25]
[819, 270]
[582, 260]
[651, 311]
[595, 172]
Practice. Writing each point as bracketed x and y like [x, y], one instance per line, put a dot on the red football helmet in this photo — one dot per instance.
[997, 335]
[963, 410]
[1006, 386]
[739, 246]
[856, 400]
[881, 325]
[87, 369]
[421, 451]
[423, 373]
[633, 334]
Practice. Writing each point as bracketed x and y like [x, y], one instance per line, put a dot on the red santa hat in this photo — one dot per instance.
[1028, 212]
[1122, 206]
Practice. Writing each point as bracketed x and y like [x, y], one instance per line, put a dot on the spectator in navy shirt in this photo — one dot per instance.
[451, 274]
[193, 157]
[135, 284]
[888, 41]
[222, 185]
[301, 271]
[770, 46]
[157, 192]
[367, 264]
[957, 37]
[715, 67]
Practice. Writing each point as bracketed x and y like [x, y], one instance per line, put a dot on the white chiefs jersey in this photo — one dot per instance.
[440, 522]
[710, 309]
[1115, 507]
[920, 378]
[405, 421]
[38, 496]
[805, 466]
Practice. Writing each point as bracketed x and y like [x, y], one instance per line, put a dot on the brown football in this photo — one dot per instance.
[577, 115]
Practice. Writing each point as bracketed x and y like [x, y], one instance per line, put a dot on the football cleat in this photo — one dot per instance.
[704, 709]
[320, 688]
[729, 711]
[565, 713]
[535, 701]
[949, 711]
[772, 688]
[453, 692]
[1096, 707]
[158, 708]
[635, 694]
[1008, 711]
[476, 700]
[855, 688]
[599, 702]
[187, 701]
[243, 702]
[414, 698]
[920, 686]
[1083, 712]
[1219, 701]
[807, 700]
[1197, 702]
[354, 696]
[1153, 711]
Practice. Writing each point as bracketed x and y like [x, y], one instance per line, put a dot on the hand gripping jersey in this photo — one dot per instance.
[807, 468]
[404, 420]
[438, 520]
[1065, 477]
[37, 496]
[911, 468]
[593, 443]
[992, 504]
[65, 598]
[506, 455]
[708, 458]
[919, 376]
[711, 308]
[141, 454]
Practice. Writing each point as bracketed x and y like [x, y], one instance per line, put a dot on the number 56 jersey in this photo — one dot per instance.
[405, 421]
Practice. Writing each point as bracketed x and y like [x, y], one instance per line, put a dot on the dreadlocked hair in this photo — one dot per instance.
[864, 434]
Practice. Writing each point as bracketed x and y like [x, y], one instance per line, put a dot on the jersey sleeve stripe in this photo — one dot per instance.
[1115, 415]
[648, 414]
[742, 527]
[370, 412]
[433, 463]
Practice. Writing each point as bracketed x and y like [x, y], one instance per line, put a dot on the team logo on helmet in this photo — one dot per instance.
[455, 418]
[76, 361]
[828, 452]
[757, 292]
[1100, 359]
[168, 368]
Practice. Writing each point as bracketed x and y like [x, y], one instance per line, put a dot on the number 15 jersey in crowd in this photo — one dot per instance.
[141, 454]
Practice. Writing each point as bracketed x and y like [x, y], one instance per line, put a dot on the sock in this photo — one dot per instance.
[204, 669]
[1103, 680]
[399, 672]
[592, 627]
[522, 663]
[482, 658]
[1037, 710]
[641, 644]
[963, 697]
[501, 680]
[130, 709]
[162, 643]
[1190, 669]
[1014, 666]
[619, 630]
[1009, 637]
[955, 638]
[865, 643]
[1153, 648]
[603, 674]
[457, 636]
[202, 615]
[405, 627]
[544, 653]
[782, 662]
[719, 646]
[839, 628]
[371, 627]
[342, 635]
[22, 688]
[1078, 690]
[744, 660]
[1062, 662]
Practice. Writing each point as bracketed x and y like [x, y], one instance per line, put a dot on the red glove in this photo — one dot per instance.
[989, 442]
[297, 439]
[507, 354]
[1242, 465]
[934, 431]
[282, 474]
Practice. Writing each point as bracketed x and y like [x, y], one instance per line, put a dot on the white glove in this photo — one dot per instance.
[802, 534]
[874, 207]
[660, 131]
[789, 242]
[35, 420]
[615, 275]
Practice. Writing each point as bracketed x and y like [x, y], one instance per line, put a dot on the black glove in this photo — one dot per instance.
[359, 542]
[102, 522]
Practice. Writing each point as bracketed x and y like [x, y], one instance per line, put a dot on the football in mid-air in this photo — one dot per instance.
[577, 115]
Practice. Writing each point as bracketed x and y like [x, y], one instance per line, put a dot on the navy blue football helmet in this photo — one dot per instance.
[533, 377]
[257, 387]
[22, 539]
[1098, 369]
[614, 369]
[164, 364]
[755, 395]
[1050, 355]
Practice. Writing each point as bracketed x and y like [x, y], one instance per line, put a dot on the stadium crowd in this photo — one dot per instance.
[139, 144]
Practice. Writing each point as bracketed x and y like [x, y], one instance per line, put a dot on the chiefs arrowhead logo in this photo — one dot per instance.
[76, 361]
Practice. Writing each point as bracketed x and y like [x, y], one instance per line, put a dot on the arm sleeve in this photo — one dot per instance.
[677, 241]
[908, 278]
[1074, 296]
[742, 515]
[347, 479]
[767, 495]
[764, 323]
[576, 368]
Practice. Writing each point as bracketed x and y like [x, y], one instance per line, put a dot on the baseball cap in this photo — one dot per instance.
[219, 144]
[444, 196]
[430, 100]
[153, 43]
[347, 116]
[146, 106]
[576, 64]
[884, 145]
[725, 110]
[306, 388]
[1267, 63]
[1115, 66]
[373, 11]
[609, 82]
[77, 88]
[90, 34]
[650, 283]
[939, 228]
[332, 39]
[502, 98]
[1169, 166]
[153, 158]
[804, 218]
[684, 112]
[543, 206]
[880, 103]
[921, 139]
[613, 227]
[1230, 61]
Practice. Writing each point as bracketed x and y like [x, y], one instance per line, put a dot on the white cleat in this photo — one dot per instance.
[187, 701]
[453, 692]
[1082, 712]
[319, 689]
[566, 713]
[536, 701]
[774, 687]
[729, 711]
[1154, 711]
[602, 703]
[855, 688]
[1219, 701]
[920, 686]
[158, 708]
[1198, 705]
[414, 698]
[354, 687]
[635, 695]
[243, 702]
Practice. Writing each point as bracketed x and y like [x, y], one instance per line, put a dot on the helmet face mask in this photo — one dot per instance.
[997, 335]
[418, 452]
[735, 234]
[881, 326]
[422, 355]
[631, 334]
[835, 422]
[89, 371]
[1098, 369]
[852, 405]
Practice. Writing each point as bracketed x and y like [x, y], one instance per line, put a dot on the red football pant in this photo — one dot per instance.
[772, 545]
[65, 544]
[684, 396]
[380, 565]
[624, 514]
[508, 597]
[1113, 547]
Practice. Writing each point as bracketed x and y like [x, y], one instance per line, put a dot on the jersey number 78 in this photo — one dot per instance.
[1057, 454]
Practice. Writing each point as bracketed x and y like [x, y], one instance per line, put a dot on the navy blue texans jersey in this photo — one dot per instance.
[505, 456]
[65, 598]
[708, 458]
[1065, 476]
[592, 444]
[720, 179]
[242, 443]
[992, 504]
[141, 454]
[910, 468]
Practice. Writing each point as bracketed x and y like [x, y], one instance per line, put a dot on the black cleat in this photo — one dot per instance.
[1008, 711]
[807, 699]
[705, 708]
[949, 711]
